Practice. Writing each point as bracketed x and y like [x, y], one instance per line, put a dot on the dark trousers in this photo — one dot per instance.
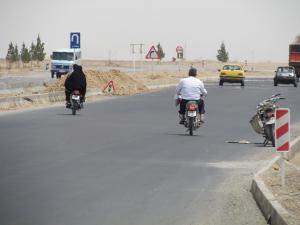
[183, 103]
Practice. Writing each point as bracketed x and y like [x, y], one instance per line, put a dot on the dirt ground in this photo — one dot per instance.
[123, 84]
[20, 68]
[289, 196]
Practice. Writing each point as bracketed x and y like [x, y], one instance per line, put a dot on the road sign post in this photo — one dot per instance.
[282, 137]
[152, 54]
[179, 51]
[74, 42]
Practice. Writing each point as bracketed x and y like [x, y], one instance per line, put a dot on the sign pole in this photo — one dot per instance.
[282, 170]
[152, 67]
[133, 55]
[152, 54]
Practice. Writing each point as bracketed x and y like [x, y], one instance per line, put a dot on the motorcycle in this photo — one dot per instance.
[192, 115]
[263, 122]
[76, 103]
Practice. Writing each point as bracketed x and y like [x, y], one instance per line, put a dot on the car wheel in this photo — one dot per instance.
[295, 84]
[221, 83]
[242, 83]
[275, 83]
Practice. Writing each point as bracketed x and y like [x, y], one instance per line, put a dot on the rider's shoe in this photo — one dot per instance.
[68, 105]
[202, 118]
[182, 120]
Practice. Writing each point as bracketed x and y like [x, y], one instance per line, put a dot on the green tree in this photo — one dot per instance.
[32, 52]
[222, 54]
[160, 51]
[16, 55]
[10, 52]
[39, 49]
[25, 56]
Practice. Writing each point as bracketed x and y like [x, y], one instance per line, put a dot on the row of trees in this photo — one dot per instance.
[35, 53]
[222, 56]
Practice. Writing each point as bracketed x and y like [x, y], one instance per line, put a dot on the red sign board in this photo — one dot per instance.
[282, 129]
[152, 53]
[179, 49]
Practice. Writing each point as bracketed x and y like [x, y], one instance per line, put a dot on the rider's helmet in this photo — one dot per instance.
[193, 72]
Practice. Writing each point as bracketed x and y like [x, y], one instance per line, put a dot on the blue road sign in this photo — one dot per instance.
[75, 40]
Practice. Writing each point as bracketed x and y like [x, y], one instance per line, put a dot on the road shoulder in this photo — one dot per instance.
[279, 206]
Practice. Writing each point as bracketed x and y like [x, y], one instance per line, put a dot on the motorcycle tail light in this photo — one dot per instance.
[76, 92]
[192, 107]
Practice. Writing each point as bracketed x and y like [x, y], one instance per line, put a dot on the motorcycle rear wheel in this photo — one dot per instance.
[73, 111]
[74, 107]
[191, 126]
[269, 132]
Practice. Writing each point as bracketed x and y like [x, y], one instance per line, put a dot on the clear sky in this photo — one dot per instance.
[258, 30]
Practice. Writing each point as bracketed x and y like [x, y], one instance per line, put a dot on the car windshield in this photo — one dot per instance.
[68, 56]
[231, 67]
[285, 70]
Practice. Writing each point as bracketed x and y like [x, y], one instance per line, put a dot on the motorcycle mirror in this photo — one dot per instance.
[219, 70]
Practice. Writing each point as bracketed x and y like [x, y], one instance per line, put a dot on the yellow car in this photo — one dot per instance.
[232, 74]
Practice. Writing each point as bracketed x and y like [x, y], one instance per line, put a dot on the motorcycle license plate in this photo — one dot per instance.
[75, 97]
[192, 113]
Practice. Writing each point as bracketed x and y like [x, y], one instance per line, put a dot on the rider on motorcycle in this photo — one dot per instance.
[191, 89]
[75, 81]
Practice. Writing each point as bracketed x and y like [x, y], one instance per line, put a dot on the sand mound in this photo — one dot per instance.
[124, 84]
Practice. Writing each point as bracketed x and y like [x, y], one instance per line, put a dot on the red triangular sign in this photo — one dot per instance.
[152, 53]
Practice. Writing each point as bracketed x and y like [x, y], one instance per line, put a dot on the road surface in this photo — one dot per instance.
[127, 161]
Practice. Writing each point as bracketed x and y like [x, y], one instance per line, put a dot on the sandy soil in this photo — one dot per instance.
[124, 84]
[20, 68]
[289, 196]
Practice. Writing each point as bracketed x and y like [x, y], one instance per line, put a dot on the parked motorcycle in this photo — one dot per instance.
[263, 122]
[76, 103]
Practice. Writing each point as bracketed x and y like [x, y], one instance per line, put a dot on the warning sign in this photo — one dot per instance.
[152, 53]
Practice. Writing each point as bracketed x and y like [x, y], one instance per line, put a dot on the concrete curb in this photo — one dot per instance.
[272, 210]
[19, 101]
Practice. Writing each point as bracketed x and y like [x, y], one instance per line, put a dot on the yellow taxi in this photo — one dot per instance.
[232, 74]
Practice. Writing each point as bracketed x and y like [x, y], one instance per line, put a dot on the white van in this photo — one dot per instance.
[62, 61]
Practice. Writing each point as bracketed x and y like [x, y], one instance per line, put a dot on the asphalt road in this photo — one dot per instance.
[128, 161]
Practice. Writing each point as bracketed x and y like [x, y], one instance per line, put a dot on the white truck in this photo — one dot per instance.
[62, 61]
